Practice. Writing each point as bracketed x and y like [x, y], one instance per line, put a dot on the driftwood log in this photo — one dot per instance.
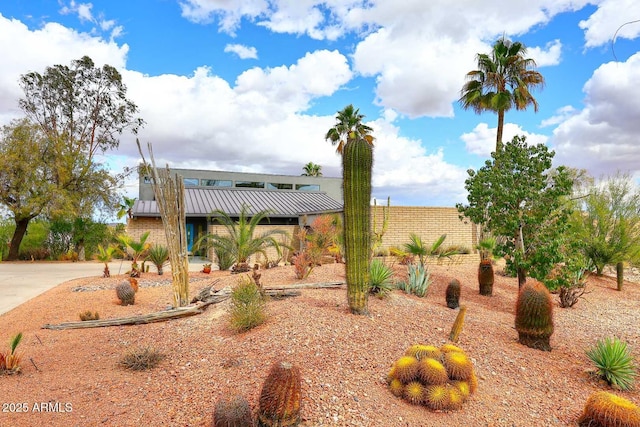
[197, 307]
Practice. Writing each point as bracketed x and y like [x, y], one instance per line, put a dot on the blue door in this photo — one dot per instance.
[189, 237]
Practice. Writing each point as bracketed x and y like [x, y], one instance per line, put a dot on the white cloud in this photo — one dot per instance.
[243, 52]
[83, 10]
[601, 26]
[482, 140]
[562, 114]
[603, 137]
[549, 55]
[229, 13]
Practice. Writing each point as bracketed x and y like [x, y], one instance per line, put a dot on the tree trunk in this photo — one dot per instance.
[499, 131]
[18, 235]
[522, 277]
[620, 274]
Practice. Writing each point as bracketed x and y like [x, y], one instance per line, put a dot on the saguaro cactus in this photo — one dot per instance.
[357, 162]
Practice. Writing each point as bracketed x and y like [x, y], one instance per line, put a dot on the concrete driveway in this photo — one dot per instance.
[21, 281]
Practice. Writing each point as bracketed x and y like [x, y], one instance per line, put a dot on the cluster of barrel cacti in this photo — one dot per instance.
[534, 315]
[279, 404]
[441, 378]
[605, 409]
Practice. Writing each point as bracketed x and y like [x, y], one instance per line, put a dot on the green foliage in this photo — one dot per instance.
[518, 188]
[417, 247]
[501, 82]
[141, 359]
[138, 249]
[126, 207]
[418, 280]
[312, 169]
[614, 362]
[33, 245]
[606, 223]
[241, 240]
[225, 259]
[534, 316]
[81, 235]
[248, 308]
[380, 278]
[355, 142]
[159, 256]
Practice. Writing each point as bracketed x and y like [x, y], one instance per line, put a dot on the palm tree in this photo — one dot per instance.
[355, 144]
[241, 241]
[349, 126]
[105, 256]
[138, 250]
[502, 81]
[126, 207]
[312, 169]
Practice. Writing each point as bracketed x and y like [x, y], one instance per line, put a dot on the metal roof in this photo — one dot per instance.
[201, 202]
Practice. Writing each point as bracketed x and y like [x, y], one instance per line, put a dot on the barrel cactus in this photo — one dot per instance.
[441, 382]
[605, 409]
[534, 315]
[233, 412]
[486, 277]
[280, 397]
[125, 293]
[453, 294]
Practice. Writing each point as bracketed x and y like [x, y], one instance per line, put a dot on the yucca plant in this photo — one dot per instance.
[614, 362]
[159, 256]
[380, 278]
[418, 280]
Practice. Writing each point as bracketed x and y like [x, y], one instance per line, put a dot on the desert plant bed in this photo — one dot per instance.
[73, 377]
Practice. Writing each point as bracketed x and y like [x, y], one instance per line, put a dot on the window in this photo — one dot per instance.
[307, 187]
[147, 180]
[250, 184]
[216, 183]
[275, 186]
[191, 182]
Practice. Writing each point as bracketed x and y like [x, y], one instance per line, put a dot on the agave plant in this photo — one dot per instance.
[418, 280]
[380, 278]
[614, 362]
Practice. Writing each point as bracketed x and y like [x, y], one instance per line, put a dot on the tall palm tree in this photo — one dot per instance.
[241, 240]
[312, 169]
[349, 126]
[355, 144]
[502, 81]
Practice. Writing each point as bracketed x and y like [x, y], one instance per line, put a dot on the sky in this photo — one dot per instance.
[254, 85]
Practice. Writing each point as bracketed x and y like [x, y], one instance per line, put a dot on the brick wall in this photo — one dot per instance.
[428, 222]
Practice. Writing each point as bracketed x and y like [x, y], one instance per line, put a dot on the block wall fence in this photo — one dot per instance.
[427, 222]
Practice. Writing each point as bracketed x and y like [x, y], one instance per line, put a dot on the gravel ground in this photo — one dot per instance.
[72, 377]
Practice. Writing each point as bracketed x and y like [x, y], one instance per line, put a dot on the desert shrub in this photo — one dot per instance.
[418, 280]
[380, 278]
[302, 265]
[141, 359]
[614, 362]
[248, 308]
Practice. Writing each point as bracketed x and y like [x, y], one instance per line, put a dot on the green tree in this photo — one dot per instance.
[606, 222]
[519, 199]
[79, 111]
[26, 188]
[126, 207]
[242, 239]
[501, 82]
[355, 143]
[312, 169]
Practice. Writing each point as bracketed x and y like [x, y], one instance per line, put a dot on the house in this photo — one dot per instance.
[294, 200]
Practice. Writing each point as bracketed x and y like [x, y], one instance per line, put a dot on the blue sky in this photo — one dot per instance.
[253, 85]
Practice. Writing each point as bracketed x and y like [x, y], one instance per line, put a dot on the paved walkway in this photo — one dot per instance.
[21, 281]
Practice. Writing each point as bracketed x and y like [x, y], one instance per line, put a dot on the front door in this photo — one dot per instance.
[190, 232]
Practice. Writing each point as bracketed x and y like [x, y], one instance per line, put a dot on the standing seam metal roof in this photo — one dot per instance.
[203, 201]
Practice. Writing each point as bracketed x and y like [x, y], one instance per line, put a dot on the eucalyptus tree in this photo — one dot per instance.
[503, 80]
[355, 144]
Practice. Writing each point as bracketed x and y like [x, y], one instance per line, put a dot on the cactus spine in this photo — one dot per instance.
[233, 412]
[357, 162]
[534, 316]
[453, 294]
[485, 277]
[125, 293]
[280, 397]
